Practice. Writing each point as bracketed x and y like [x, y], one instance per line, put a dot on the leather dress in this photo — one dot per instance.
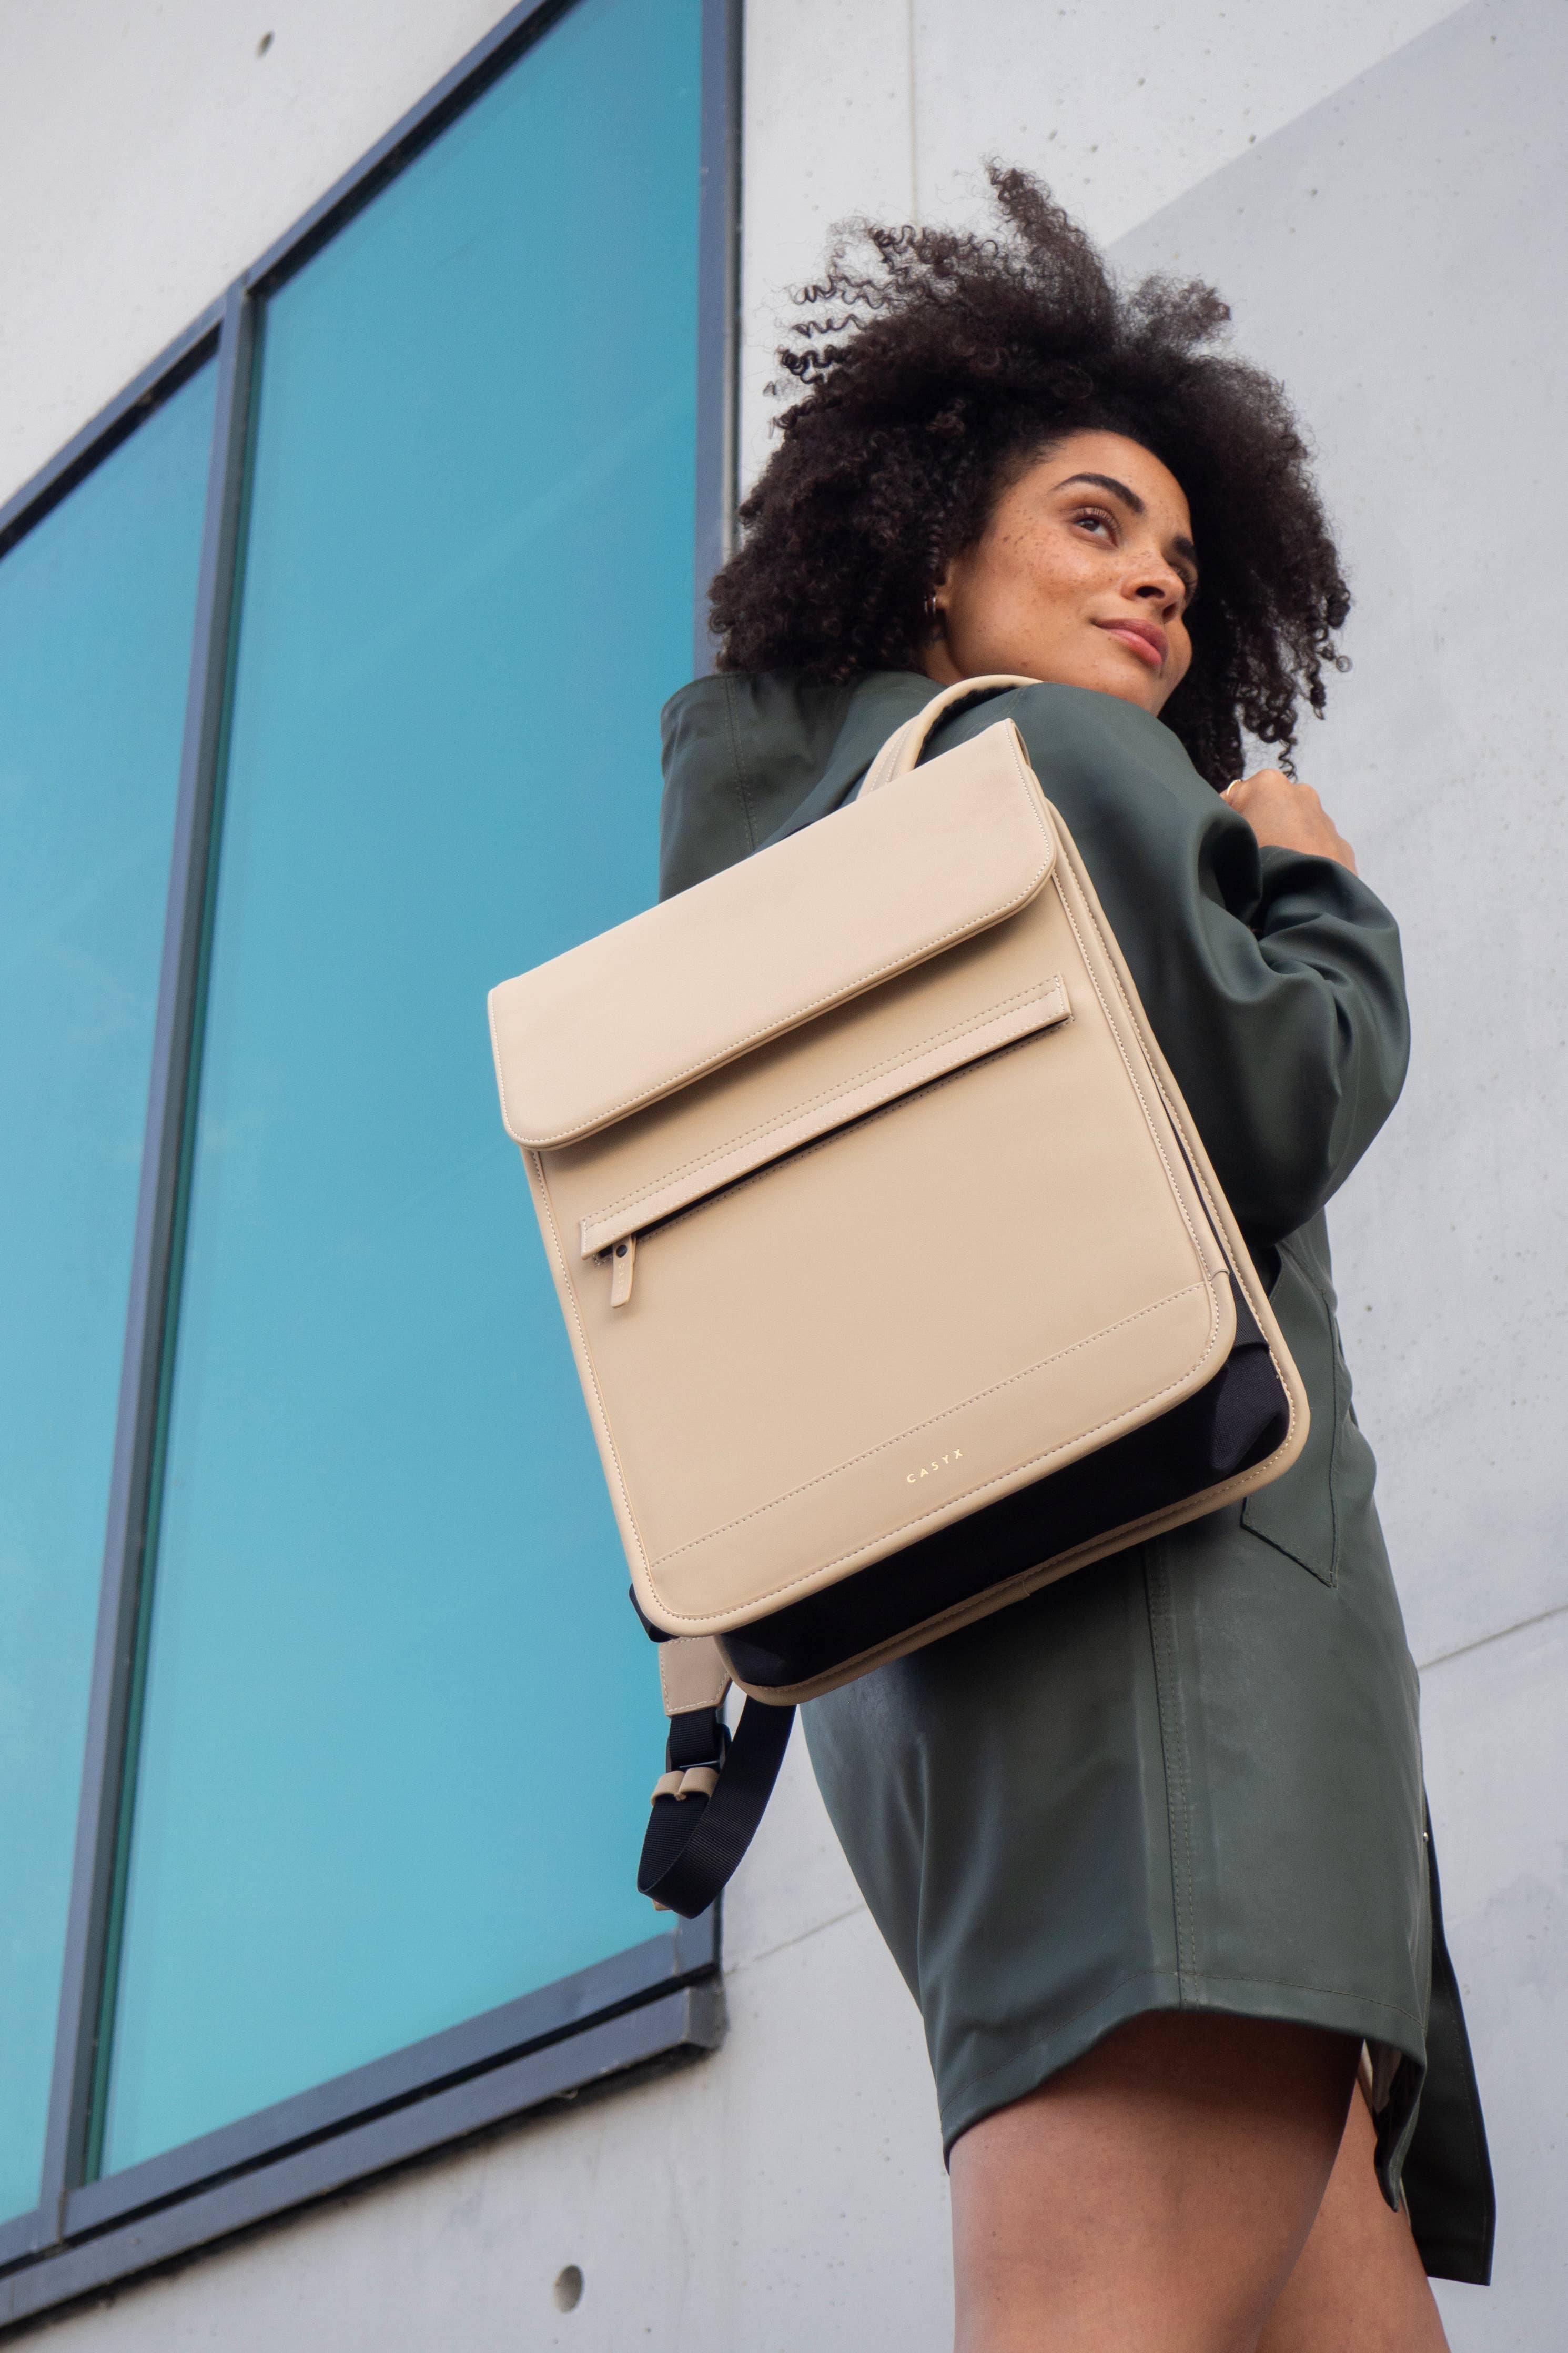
[1189, 1777]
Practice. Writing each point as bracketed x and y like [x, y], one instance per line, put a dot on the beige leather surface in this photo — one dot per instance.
[813, 1106]
[902, 752]
[692, 1674]
[688, 986]
[905, 1172]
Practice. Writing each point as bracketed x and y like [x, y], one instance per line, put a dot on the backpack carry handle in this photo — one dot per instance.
[697, 1834]
[903, 747]
[714, 1789]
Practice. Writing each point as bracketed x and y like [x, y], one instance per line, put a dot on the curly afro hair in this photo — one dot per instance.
[932, 377]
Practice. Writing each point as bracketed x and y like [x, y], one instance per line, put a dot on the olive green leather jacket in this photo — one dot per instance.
[1274, 984]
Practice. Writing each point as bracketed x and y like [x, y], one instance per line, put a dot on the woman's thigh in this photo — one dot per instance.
[1358, 2285]
[1156, 2193]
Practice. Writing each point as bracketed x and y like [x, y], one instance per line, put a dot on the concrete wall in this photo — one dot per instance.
[1379, 189]
[148, 155]
[1384, 257]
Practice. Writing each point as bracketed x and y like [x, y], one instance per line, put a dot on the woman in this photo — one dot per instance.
[1149, 1848]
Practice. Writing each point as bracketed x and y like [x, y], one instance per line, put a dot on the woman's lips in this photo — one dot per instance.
[1147, 641]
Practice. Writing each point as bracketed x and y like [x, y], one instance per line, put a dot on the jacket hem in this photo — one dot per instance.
[979, 2095]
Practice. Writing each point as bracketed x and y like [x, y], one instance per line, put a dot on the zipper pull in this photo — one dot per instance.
[622, 1258]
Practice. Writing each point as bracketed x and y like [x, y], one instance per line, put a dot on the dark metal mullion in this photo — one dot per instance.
[680, 2026]
[718, 307]
[553, 2014]
[468, 78]
[641, 2033]
[28, 2234]
[99, 1820]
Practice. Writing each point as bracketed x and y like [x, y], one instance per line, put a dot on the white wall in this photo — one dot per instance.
[786, 2193]
[1384, 256]
[891, 108]
[1379, 188]
[148, 155]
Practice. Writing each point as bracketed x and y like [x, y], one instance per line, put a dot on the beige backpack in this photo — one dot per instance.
[896, 1275]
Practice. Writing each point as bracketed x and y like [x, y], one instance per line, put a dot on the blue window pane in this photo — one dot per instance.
[97, 606]
[399, 1718]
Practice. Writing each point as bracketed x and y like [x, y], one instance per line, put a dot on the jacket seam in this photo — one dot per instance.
[1339, 1404]
[1174, 1758]
[1157, 1974]
[1315, 1985]
[1072, 2017]
[738, 757]
[1331, 1576]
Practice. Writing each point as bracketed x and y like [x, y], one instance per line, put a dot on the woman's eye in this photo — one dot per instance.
[1095, 519]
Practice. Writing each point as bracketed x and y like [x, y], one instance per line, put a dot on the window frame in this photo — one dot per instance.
[648, 2008]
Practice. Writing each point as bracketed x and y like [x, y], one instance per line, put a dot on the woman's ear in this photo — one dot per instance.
[936, 660]
[941, 594]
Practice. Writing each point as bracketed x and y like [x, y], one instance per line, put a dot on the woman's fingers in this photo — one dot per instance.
[1287, 815]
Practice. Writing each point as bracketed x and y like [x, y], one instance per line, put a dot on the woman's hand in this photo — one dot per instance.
[1289, 815]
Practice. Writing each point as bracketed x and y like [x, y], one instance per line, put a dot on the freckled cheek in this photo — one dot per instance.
[1058, 582]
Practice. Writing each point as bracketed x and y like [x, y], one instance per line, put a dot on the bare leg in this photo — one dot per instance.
[1358, 2285]
[1156, 2194]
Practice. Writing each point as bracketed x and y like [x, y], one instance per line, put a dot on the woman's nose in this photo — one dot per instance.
[1159, 585]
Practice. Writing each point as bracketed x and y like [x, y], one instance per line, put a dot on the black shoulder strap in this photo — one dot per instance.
[695, 1838]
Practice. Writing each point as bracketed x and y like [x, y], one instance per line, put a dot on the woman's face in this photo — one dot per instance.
[1081, 577]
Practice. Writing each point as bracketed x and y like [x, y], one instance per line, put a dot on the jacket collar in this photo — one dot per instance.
[749, 758]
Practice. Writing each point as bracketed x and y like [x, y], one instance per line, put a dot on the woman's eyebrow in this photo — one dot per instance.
[1130, 499]
[1108, 482]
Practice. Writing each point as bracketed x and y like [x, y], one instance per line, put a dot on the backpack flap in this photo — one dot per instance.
[680, 990]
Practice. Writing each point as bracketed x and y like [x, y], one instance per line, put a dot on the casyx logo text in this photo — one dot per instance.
[929, 1470]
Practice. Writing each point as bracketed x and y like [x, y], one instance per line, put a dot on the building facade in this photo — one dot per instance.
[378, 381]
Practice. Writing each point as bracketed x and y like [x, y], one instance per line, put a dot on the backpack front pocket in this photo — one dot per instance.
[610, 1230]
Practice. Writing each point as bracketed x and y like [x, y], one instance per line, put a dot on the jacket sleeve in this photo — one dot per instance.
[1273, 981]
